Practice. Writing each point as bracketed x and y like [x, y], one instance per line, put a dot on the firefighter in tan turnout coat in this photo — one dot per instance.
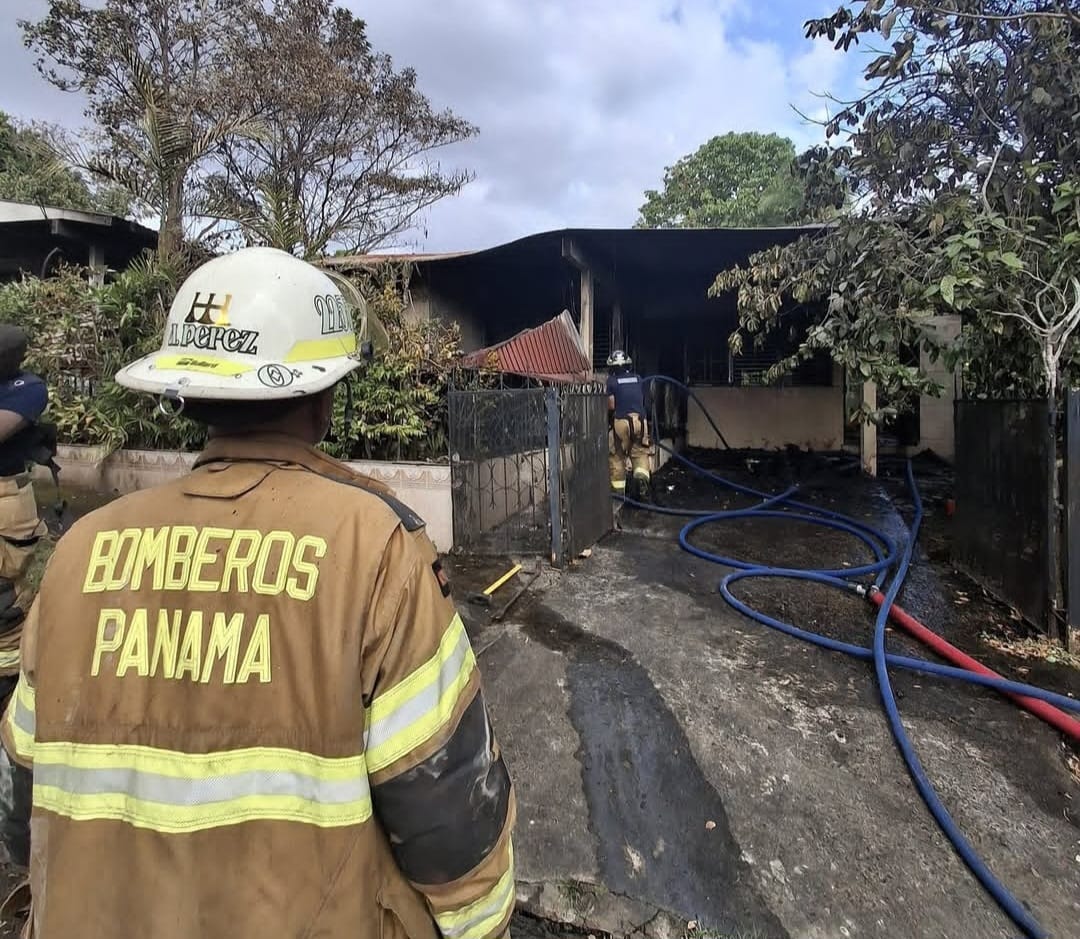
[247, 703]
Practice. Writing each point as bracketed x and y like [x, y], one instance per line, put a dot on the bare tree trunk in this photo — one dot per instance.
[171, 232]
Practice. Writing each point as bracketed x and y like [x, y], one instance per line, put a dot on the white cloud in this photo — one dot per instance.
[580, 105]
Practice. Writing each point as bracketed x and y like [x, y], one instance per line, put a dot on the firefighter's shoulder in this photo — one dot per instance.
[408, 518]
[410, 521]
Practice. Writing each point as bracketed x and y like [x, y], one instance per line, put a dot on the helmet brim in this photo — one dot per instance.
[210, 379]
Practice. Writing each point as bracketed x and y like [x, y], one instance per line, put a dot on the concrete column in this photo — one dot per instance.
[868, 430]
[587, 312]
[617, 341]
[96, 263]
[936, 417]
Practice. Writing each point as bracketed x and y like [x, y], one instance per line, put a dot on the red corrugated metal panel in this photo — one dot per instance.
[552, 352]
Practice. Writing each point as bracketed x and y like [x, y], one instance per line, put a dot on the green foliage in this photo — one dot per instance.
[962, 160]
[735, 180]
[272, 123]
[151, 73]
[399, 398]
[862, 317]
[81, 335]
[1014, 279]
[31, 171]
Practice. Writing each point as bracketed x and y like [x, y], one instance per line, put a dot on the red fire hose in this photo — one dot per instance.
[1052, 715]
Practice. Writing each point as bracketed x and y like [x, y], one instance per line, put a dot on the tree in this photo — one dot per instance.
[735, 180]
[31, 171]
[150, 71]
[963, 160]
[345, 159]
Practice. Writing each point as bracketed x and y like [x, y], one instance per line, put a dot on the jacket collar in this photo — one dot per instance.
[271, 448]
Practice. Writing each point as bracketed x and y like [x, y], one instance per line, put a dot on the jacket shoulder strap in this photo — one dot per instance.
[409, 519]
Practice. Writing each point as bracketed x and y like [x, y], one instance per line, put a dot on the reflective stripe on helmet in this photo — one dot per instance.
[311, 350]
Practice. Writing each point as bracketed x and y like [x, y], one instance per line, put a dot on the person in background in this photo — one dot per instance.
[629, 431]
[248, 707]
[23, 398]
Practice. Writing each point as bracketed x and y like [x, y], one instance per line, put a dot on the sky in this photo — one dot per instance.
[580, 104]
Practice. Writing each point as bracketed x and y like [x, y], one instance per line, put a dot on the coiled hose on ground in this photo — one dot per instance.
[889, 567]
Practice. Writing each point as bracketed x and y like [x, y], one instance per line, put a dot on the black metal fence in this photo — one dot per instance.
[529, 470]
[584, 475]
[1002, 502]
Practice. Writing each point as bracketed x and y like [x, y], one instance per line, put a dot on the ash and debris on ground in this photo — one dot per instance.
[694, 762]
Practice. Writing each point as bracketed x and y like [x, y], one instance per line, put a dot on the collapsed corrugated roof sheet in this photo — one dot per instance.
[551, 352]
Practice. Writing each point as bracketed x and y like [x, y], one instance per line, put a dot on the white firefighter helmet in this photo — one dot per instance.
[257, 324]
[619, 358]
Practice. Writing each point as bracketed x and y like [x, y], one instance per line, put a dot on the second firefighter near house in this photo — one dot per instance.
[628, 436]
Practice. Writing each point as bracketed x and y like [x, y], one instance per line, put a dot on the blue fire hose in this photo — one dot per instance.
[890, 565]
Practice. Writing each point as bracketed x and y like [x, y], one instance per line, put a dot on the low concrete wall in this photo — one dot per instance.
[424, 487]
[757, 418]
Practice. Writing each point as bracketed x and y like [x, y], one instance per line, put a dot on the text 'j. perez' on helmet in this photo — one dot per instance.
[618, 358]
[257, 324]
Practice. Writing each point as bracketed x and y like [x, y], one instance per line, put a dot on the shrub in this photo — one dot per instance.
[81, 335]
[400, 398]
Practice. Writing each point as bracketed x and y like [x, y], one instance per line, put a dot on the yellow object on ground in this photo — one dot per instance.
[502, 580]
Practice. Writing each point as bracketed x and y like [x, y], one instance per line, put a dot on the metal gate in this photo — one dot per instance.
[523, 457]
[586, 487]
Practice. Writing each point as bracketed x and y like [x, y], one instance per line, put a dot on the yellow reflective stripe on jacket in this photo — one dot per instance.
[174, 792]
[415, 709]
[481, 917]
[9, 658]
[22, 719]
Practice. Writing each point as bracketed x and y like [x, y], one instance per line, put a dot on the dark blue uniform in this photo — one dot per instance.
[25, 395]
[629, 438]
[629, 392]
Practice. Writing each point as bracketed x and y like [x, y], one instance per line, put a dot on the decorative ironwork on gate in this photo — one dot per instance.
[529, 470]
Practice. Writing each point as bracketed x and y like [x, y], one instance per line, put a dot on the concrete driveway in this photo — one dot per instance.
[676, 762]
